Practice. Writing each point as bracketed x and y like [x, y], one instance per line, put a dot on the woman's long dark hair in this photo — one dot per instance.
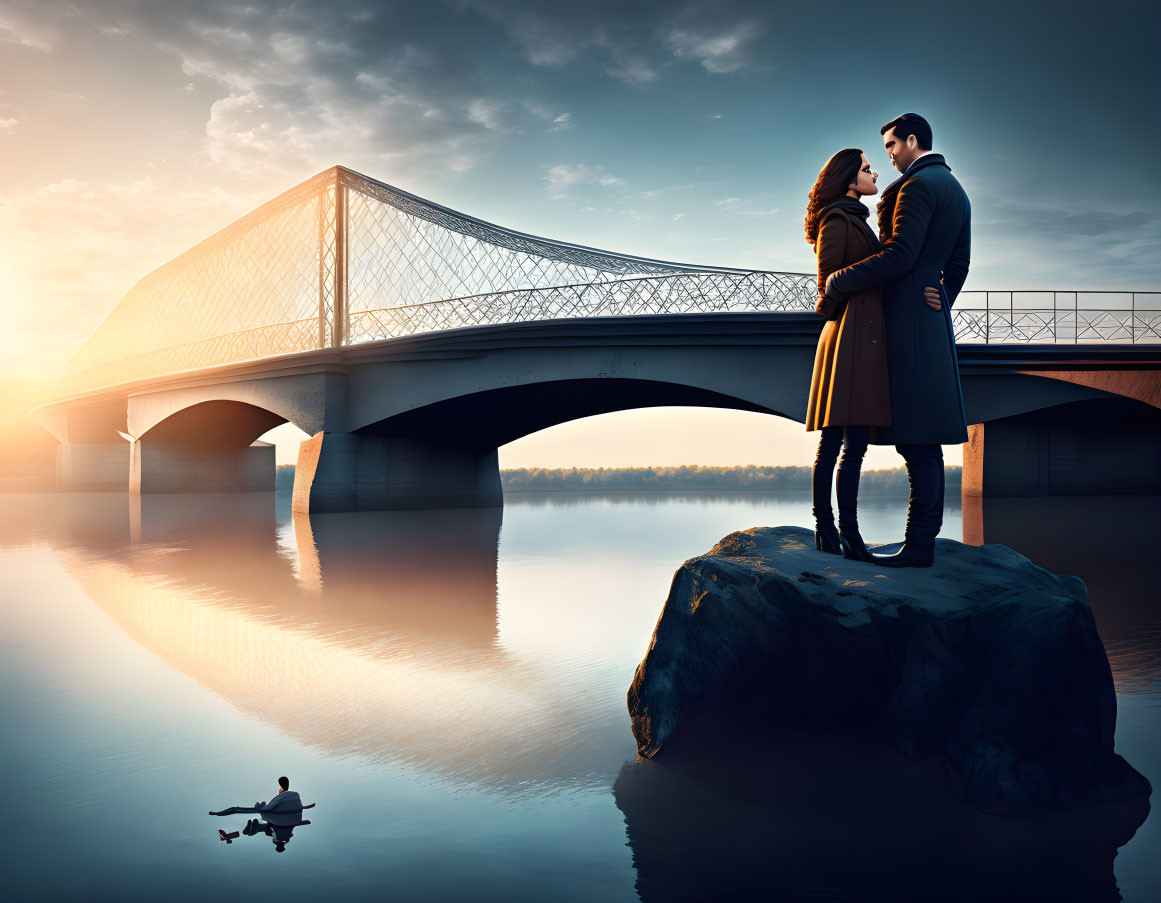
[833, 182]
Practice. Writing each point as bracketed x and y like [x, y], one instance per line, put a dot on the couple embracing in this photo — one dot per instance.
[885, 371]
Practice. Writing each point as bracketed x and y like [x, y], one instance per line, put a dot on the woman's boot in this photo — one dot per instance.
[826, 537]
[853, 545]
[847, 488]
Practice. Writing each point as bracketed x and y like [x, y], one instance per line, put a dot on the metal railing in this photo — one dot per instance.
[1058, 317]
[683, 293]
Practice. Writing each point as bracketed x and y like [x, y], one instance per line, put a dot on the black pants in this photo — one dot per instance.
[234, 810]
[852, 440]
[925, 502]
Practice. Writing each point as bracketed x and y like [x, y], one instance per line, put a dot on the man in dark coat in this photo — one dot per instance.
[925, 224]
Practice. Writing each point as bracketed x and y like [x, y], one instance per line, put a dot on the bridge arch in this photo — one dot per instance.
[297, 398]
[994, 396]
[444, 453]
[489, 418]
[209, 446]
[213, 423]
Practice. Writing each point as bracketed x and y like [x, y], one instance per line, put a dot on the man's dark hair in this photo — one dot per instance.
[910, 124]
[284, 783]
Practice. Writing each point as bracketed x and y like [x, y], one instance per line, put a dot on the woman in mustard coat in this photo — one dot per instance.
[849, 390]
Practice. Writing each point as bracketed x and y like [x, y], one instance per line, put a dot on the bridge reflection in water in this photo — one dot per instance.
[372, 634]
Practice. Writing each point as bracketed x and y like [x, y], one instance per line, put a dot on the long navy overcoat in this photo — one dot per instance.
[927, 239]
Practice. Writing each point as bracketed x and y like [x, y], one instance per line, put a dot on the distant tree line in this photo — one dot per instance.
[284, 477]
[689, 478]
[693, 477]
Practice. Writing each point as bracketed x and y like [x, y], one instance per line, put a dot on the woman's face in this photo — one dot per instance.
[865, 181]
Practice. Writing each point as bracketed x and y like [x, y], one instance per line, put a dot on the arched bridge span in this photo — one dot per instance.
[416, 421]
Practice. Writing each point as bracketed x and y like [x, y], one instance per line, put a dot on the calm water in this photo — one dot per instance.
[449, 687]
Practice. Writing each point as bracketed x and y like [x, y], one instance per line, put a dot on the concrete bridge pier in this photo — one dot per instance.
[93, 467]
[157, 467]
[351, 472]
[93, 455]
[1108, 446]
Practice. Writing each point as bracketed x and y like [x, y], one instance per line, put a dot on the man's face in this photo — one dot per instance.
[902, 153]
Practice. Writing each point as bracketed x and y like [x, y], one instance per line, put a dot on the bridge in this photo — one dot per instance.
[410, 341]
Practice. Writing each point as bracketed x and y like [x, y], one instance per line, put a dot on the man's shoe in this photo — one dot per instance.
[853, 546]
[228, 838]
[910, 555]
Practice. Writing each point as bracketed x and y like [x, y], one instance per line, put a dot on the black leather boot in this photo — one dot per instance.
[911, 554]
[826, 536]
[847, 489]
[924, 508]
[853, 546]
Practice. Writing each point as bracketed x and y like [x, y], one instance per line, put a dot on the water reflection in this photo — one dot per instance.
[93, 520]
[279, 827]
[372, 634]
[409, 641]
[837, 818]
[1110, 542]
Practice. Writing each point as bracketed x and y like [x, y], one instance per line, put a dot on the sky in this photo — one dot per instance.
[130, 130]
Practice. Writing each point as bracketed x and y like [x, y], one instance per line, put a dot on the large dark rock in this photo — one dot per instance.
[986, 660]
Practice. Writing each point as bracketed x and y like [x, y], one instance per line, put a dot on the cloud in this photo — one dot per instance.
[26, 28]
[652, 193]
[632, 43]
[302, 86]
[392, 84]
[564, 35]
[743, 208]
[77, 246]
[11, 115]
[713, 115]
[557, 121]
[720, 49]
[488, 113]
[1049, 245]
[563, 175]
[1095, 224]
